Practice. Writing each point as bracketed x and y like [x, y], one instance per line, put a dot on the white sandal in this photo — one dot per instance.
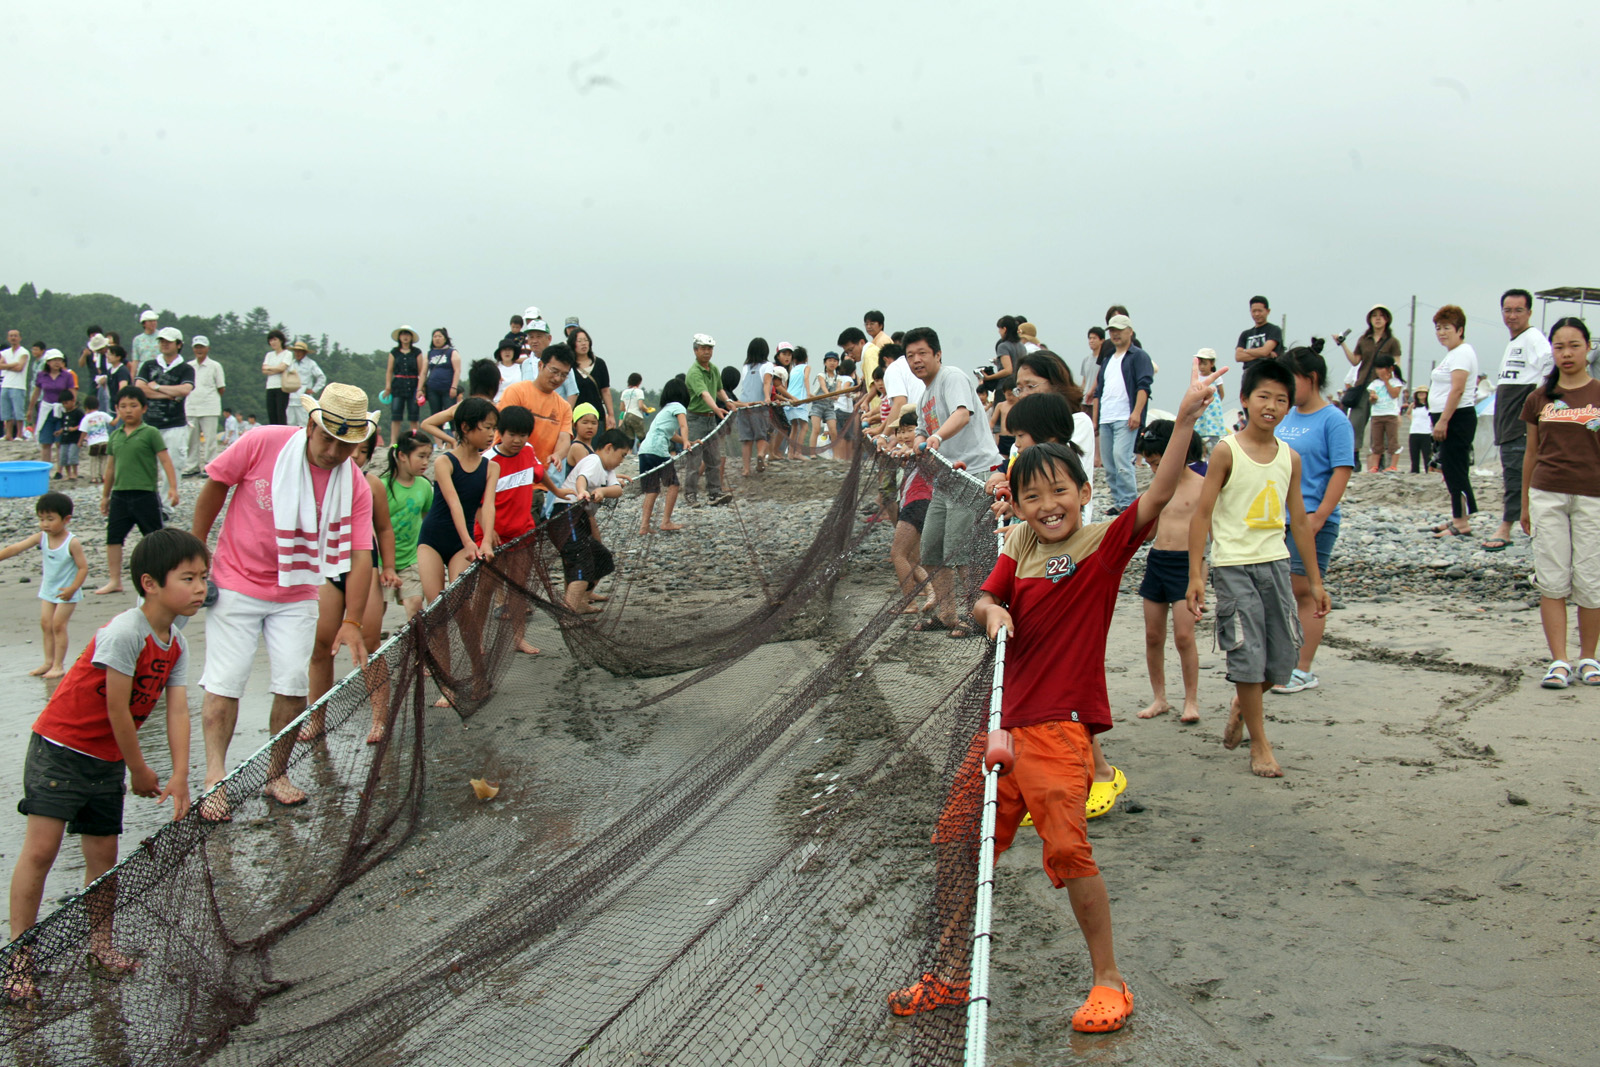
[1589, 671]
[1559, 676]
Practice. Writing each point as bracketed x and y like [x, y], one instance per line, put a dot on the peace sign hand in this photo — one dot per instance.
[1201, 390]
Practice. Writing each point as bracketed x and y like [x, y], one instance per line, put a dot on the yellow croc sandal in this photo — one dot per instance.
[1103, 795]
[1027, 818]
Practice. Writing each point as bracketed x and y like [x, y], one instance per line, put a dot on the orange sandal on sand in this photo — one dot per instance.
[926, 995]
[1104, 1011]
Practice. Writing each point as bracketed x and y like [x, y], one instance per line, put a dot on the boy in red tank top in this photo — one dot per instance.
[520, 472]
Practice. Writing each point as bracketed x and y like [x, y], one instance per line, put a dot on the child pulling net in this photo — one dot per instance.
[714, 848]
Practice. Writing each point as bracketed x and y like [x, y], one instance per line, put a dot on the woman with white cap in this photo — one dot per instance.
[1377, 340]
[52, 383]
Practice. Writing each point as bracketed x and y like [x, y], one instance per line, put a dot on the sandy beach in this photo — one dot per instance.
[1413, 891]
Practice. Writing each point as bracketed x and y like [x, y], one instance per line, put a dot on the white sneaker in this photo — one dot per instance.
[1299, 680]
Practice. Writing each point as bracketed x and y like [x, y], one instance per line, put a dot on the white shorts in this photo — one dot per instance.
[1566, 546]
[234, 628]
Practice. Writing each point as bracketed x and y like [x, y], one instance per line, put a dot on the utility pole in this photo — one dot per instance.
[1411, 352]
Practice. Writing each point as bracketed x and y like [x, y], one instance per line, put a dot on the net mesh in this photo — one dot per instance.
[713, 842]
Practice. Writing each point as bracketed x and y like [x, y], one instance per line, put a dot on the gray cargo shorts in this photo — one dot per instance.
[1258, 626]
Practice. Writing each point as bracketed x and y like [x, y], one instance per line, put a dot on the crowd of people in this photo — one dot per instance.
[531, 441]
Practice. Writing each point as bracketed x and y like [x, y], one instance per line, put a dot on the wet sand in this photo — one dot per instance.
[1413, 891]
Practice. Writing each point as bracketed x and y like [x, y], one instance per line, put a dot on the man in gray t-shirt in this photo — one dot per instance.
[951, 423]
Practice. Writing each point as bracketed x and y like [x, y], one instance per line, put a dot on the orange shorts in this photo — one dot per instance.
[1051, 779]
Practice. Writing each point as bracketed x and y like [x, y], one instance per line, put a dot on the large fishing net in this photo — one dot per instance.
[712, 840]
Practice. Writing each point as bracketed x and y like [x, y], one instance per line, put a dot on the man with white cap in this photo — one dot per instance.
[146, 346]
[203, 407]
[1123, 388]
[706, 409]
[167, 380]
[535, 339]
[13, 384]
[301, 514]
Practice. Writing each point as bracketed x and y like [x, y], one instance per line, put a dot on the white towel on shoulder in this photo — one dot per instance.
[310, 549]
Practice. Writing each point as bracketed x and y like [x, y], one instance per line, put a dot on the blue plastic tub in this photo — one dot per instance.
[25, 478]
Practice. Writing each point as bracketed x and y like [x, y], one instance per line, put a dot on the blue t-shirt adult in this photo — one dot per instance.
[1324, 440]
[658, 442]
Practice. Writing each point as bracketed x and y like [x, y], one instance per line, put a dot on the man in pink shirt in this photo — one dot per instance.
[300, 513]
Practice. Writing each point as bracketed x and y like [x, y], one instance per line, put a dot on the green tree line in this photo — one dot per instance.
[238, 342]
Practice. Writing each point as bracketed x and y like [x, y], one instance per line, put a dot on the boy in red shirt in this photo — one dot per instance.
[520, 471]
[86, 741]
[1053, 589]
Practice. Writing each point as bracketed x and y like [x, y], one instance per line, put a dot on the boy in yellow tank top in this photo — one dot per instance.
[1252, 488]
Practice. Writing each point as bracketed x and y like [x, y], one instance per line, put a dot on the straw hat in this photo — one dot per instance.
[300, 346]
[1028, 330]
[342, 412]
[395, 337]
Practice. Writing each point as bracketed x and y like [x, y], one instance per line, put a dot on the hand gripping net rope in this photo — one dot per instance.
[735, 809]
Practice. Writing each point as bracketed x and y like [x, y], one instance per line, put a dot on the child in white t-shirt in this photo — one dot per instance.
[1421, 440]
[1386, 389]
[573, 529]
[96, 430]
[634, 415]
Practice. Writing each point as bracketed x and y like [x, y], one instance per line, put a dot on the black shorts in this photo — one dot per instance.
[377, 565]
[83, 792]
[658, 472]
[914, 513]
[130, 508]
[1166, 576]
[583, 559]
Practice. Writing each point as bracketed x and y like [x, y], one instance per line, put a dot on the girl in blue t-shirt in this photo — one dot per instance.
[1321, 434]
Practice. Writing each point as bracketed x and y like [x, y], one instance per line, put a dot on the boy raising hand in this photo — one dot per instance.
[1053, 591]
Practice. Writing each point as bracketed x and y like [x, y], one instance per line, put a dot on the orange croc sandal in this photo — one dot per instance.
[1104, 1011]
[926, 995]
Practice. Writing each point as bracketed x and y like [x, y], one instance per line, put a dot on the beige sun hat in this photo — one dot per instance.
[342, 412]
[395, 336]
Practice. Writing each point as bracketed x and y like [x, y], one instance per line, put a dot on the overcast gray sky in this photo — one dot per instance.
[748, 169]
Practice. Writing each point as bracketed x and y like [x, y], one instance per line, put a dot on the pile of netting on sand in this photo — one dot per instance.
[711, 841]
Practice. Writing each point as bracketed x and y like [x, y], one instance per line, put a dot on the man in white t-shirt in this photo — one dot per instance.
[1123, 391]
[902, 387]
[1526, 362]
[14, 385]
[203, 407]
[952, 423]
